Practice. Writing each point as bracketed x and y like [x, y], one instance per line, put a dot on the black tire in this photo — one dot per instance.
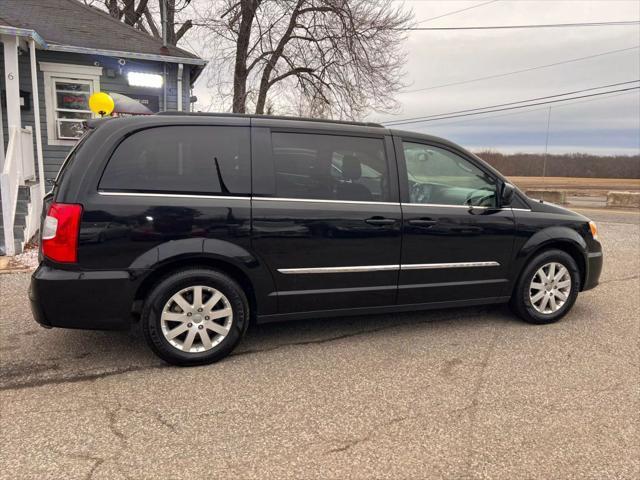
[520, 300]
[174, 283]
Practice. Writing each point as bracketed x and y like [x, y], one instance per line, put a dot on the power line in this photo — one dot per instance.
[512, 103]
[522, 106]
[458, 11]
[498, 75]
[551, 25]
[568, 104]
[510, 108]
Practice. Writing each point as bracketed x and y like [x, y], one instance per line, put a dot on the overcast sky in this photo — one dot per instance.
[607, 124]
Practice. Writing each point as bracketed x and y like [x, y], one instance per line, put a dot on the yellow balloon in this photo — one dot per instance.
[101, 103]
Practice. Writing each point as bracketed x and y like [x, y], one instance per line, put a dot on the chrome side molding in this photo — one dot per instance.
[353, 269]
[430, 266]
[378, 268]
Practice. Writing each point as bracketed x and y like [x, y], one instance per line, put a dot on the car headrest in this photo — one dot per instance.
[351, 168]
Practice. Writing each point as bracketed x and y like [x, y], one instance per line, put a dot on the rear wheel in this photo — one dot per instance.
[547, 288]
[195, 317]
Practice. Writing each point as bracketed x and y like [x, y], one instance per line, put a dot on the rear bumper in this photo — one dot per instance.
[594, 268]
[87, 300]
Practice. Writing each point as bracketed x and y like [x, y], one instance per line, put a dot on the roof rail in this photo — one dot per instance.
[270, 117]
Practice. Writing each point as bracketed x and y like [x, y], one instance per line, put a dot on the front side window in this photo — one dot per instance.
[439, 176]
[330, 167]
[182, 159]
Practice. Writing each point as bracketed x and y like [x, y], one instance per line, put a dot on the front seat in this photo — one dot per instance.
[351, 172]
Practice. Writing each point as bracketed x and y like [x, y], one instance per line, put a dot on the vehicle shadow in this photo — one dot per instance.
[63, 356]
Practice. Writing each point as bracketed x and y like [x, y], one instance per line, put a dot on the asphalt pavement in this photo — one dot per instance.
[461, 393]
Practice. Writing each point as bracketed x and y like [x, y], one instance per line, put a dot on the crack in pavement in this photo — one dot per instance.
[349, 444]
[356, 333]
[39, 382]
[112, 414]
[473, 405]
[97, 461]
[622, 279]
[34, 383]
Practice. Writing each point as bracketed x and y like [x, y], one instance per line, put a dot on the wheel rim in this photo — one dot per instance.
[196, 319]
[550, 288]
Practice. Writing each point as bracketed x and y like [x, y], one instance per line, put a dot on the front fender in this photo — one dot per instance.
[556, 235]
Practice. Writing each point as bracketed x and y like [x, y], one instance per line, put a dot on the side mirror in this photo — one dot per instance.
[508, 191]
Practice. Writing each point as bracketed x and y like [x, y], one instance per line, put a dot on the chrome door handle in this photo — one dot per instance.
[422, 222]
[380, 221]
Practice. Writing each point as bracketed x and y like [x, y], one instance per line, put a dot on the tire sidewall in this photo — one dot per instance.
[166, 288]
[523, 302]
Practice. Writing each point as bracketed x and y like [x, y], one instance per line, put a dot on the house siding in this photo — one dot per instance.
[54, 155]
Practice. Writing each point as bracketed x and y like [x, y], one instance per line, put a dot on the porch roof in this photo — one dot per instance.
[69, 25]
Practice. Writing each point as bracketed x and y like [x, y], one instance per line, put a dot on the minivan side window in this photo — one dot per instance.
[330, 167]
[182, 159]
[439, 176]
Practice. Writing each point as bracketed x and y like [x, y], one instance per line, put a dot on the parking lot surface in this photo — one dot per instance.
[466, 393]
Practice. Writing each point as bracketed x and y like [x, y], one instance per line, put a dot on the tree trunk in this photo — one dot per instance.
[265, 81]
[240, 74]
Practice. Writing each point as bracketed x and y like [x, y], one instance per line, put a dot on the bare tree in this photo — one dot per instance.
[340, 57]
[143, 14]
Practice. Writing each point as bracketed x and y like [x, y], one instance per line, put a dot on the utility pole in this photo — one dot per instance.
[546, 145]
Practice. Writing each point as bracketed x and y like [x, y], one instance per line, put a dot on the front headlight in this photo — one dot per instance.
[594, 229]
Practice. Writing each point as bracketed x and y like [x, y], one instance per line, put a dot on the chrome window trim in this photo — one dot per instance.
[170, 195]
[445, 205]
[307, 200]
[378, 268]
[318, 200]
[464, 206]
[350, 269]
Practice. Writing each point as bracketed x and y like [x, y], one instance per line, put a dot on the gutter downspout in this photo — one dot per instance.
[180, 94]
[36, 114]
[1, 136]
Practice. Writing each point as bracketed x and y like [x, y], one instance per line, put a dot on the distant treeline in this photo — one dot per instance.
[567, 165]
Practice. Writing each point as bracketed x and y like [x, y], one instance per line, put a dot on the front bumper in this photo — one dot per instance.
[88, 300]
[594, 269]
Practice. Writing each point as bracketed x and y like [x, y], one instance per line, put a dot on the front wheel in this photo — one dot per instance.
[195, 316]
[547, 288]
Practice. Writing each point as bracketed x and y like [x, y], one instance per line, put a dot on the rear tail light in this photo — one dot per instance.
[60, 232]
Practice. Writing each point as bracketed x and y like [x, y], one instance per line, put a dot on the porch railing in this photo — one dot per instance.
[18, 167]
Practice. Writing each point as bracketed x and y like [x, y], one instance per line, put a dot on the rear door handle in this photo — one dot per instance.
[380, 221]
[422, 222]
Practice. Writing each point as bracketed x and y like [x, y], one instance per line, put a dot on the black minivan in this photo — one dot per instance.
[196, 225]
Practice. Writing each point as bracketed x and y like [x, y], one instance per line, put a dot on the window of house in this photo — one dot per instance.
[67, 89]
[71, 107]
[439, 176]
[330, 167]
[182, 159]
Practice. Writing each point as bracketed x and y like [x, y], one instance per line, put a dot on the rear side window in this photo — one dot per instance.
[330, 167]
[182, 159]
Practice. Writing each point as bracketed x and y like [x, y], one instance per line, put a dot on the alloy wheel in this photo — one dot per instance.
[550, 288]
[196, 319]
